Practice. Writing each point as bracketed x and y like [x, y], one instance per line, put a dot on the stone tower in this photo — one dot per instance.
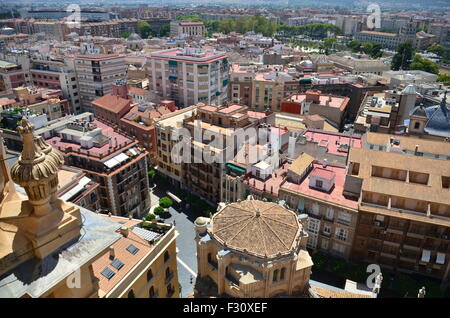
[42, 223]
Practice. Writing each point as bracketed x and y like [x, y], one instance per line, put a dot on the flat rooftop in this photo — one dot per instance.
[332, 141]
[335, 196]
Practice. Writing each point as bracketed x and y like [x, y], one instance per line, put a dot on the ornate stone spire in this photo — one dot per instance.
[37, 169]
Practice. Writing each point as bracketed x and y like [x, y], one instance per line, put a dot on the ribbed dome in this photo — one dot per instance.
[38, 160]
[264, 229]
[134, 37]
[410, 89]
[419, 111]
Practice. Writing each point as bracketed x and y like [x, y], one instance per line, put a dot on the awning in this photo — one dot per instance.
[440, 259]
[121, 157]
[111, 163]
[426, 256]
[76, 189]
[235, 168]
[173, 197]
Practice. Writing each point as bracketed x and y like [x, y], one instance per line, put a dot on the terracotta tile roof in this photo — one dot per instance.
[264, 229]
[112, 103]
[300, 164]
[129, 260]
[331, 293]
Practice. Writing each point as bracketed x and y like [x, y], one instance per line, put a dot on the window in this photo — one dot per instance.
[282, 273]
[151, 292]
[324, 244]
[327, 229]
[330, 213]
[313, 226]
[166, 256]
[345, 218]
[131, 294]
[275, 275]
[149, 275]
[319, 183]
[341, 234]
[315, 208]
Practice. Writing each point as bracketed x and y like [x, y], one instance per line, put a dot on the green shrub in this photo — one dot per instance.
[404, 284]
[320, 261]
[151, 174]
[150, 217]
[165, 202]
[339, 267]
[358, 273]
[158, 210]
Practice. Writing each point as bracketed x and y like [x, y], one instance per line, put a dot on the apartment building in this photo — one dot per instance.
[55, 29]
[189, 75]
[187, 29]
[314, 184]
[43, 101]
[13, 74]
[166, 128]
[313, 102]
[57, 74]
[261, 87]
[407, 33]
[96, 74]
[112, 28]
[207, 179]
[403, 189]
[111, 159]
[359, 65]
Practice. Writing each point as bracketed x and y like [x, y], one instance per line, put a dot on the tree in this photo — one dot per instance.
[403, 58]
[354, 45]
[444, 78]
[144, 29]
[150, 217]
[423, 64]
[151, 174]
[158, 210]
[125, 35]
[164, 30]
[436, 48]
[165, 202]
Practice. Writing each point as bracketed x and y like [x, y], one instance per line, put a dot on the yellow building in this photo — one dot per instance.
[52, 248]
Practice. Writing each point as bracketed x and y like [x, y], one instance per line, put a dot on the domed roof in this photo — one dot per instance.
[263, 229]
[134, 37]
[201, 221]
[419, 111]
[410, 89]
[307, 63]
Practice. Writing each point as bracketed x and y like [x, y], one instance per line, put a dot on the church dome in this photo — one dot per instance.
[262, 229]
[134, 37]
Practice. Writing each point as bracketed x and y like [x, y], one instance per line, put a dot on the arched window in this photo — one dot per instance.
[170, 290]
[131, 294]
[275, 275]
[209, 257]
[149, 275]
[151, 292]
[166, 256]
[282, 273]
[168, 273]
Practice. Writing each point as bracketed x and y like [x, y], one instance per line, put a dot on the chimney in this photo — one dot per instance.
[124, 231]
[416, 150]
[112, 253]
